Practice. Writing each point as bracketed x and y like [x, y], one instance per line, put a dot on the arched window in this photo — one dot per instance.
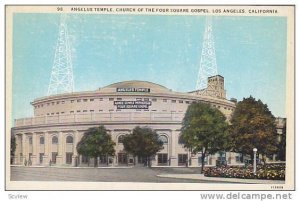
[69, 139]
[121, 138]
[54, 140]
[42, 140]
[163, 139]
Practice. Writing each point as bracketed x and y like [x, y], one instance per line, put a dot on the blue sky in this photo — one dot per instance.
[251, 54]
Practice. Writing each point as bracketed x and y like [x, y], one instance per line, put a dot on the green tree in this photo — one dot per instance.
[13, 146]
[96, 142]
[253, 126]
[205, 130]
[143, 142]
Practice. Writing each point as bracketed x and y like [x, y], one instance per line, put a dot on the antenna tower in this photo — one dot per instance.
[61, 80]
[208, 62]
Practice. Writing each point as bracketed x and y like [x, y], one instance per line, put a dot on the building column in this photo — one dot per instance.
[213, 160]
[231, 158]
[75, 154]
[46, 157]
[59, 158]
[34, 149]
[173, 157]
[194, 160]
[23, 149]
[17, 159]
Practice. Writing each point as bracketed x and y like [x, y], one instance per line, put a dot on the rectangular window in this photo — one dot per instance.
[52, 113]
[119, 99]
[57, 102]
[41, 158]
[111, 99]
[71, 112]
[78, 110]
[238, 158]
[91, 100]
[162, 159]
[180, 101]
[72, 101]
[154, 99]
[146, 99]
[139, 99]
[84, 159]
[42, 105]
[48, 104]
[69, 157]
[48, 114]
[165, 100]
[62, 102]
[100, 110]
[62, 112]
[118, 110]
[173, 101]
[53, 158]
[100, 99]
[84, 100]
[111, 110]
[91, 110]
[57, 112]
[187, 102]
[103, 159]
[153, 110]
[53, 103]
[182, 159]
[84, 111]
[78, 100]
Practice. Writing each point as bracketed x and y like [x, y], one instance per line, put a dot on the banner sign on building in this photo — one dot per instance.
[132, 104]
[147, 90]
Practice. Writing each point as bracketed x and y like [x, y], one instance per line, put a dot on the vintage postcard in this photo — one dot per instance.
[150, 97]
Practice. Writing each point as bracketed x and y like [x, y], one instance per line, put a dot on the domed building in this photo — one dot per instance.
[59, 122]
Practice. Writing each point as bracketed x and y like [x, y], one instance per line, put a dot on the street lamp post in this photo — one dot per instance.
[254, 160]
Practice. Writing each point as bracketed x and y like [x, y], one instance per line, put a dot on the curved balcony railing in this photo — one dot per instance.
[101, 117]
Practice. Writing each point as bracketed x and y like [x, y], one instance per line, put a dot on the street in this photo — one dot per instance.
[132, 174]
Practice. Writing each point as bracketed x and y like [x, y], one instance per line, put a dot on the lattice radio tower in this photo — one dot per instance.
[208, 63]
[61, 80]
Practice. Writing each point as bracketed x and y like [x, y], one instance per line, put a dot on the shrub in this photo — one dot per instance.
[269, 171]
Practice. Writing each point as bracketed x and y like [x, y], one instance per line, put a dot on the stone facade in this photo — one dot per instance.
[50, 137]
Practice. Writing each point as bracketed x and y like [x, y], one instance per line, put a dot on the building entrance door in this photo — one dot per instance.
[162, 159]
[122, 159]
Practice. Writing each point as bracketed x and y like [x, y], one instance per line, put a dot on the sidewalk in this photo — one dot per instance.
[201, 177]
